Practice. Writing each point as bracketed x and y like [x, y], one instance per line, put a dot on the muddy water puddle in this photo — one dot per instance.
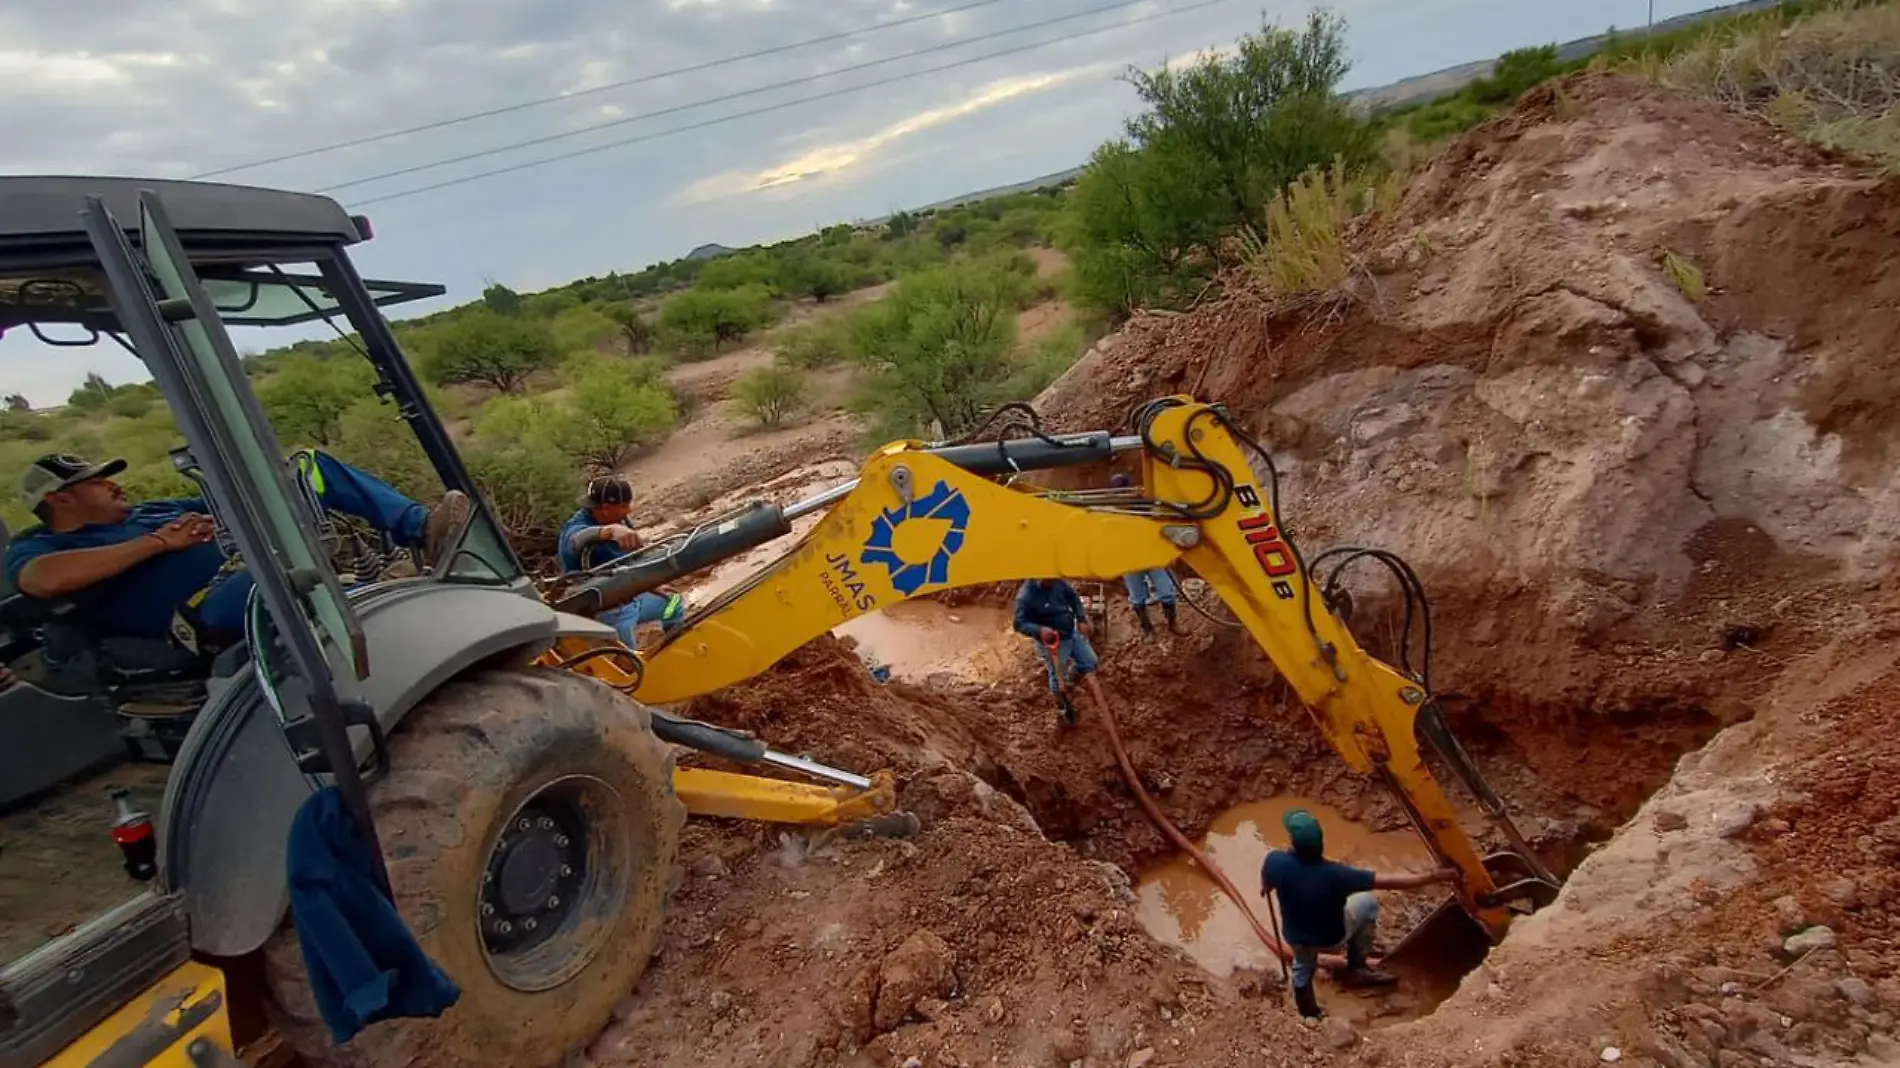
[1181, 906]
[921, 640]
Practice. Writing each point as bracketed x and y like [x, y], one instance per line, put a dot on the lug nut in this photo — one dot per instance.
[528, 923]
[488, 909]
[524, 824]
[547, 824]
[505, 927]
[553, 901]
[561, 840]
[566, 871]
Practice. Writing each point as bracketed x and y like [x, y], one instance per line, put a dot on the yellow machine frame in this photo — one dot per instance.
[899, 518]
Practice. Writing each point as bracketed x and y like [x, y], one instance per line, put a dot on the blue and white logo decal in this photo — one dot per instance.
[942, 503]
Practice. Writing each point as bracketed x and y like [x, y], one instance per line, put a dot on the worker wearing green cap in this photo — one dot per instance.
[1324, 904]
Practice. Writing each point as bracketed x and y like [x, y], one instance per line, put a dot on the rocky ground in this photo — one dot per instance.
[1656, 519]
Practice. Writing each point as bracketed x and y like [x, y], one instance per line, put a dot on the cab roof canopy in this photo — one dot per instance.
[40, 225]
[236, 236]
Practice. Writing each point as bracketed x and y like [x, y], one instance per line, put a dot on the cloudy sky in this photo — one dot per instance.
[178, 88]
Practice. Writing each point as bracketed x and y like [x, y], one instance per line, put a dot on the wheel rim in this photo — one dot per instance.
[554, 881]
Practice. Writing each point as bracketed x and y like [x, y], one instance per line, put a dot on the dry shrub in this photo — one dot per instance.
[1833, 76]
[1306, 254]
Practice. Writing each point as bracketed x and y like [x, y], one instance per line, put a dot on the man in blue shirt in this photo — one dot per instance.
[1324, 904]
[598, 534]
[1050, 612]
[1146, 587]
[153, 570]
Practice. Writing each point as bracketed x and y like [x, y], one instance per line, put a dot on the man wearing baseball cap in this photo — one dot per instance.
[135, 570]
[599, 534]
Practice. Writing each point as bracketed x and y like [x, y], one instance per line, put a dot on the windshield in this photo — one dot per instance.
[311, 352]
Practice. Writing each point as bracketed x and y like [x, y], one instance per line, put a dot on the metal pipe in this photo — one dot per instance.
[828, 497]
[815, 770]
[842, 490]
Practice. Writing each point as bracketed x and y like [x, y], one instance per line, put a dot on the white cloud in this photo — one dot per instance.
[840, 157]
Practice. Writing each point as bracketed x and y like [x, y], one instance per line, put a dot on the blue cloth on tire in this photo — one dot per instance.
[364, 964]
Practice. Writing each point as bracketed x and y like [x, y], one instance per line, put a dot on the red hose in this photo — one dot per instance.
[1181, 841]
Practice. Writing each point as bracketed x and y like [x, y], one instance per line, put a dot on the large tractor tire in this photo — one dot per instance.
[531, 832]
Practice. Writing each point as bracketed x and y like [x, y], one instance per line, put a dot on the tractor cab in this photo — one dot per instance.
[96, 727]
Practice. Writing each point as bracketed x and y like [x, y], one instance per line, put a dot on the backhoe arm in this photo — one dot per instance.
[917, 523]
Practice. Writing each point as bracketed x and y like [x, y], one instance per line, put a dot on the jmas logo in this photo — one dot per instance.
[845, 587]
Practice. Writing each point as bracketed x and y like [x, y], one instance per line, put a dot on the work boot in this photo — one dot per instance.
[1147, 624]
[444, 519]
[1167, 609]
[1069, 714]
[1307, 1002]
[1363, 975]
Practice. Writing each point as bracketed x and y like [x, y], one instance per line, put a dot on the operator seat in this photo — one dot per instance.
[46, 737]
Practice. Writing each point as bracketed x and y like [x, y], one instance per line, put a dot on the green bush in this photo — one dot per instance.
[938, 346]
[493, 350]
[769, 394]
[740, 270]
[582, 328]
[306, 397]
[1215, 143]
[1043, 363]
[808, 346]
[698, 321]
[608, 408]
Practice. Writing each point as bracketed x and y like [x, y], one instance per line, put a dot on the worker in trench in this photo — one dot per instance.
[1325, 904]
[599, 533]
[1146, 587]
[1050, 613]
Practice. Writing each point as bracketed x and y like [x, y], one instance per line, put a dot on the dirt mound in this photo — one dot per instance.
[1586, 465]
[1613, 380]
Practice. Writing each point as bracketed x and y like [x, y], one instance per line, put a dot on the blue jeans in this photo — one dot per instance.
[1074, 648]
[341, 488]
[1138, 583]
[1362, 922]
[669, 612]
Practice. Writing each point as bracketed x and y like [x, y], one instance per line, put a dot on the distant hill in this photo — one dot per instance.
[707, 252]
[1020, 187]
[1425, 88]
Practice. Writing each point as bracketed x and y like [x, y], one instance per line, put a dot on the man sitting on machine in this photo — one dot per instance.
[151, 572]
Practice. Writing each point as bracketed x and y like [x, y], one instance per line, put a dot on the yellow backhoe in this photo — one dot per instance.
[498, 751]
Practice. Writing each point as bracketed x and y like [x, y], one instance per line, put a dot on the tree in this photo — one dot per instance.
[939, 344]
[17, 402]
[700, 320]
[817, 277]
[1215, 143]
[618, 406]
[306, 398]
[1140, 229]
[91, 394]
[739, 270]
[500, 299]
[491, 349]
[768, 394]
[609, 408]
[1259, 119]
[901, 224]
[1516, 72]
[634, 330]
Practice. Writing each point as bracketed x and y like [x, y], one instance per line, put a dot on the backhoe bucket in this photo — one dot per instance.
[1449, 943]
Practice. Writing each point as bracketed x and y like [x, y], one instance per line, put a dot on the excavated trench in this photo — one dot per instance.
[1226, 750]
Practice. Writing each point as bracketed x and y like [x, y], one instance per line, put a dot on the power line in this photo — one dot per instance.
[671, 130]
[337, 146]
[728, 97]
